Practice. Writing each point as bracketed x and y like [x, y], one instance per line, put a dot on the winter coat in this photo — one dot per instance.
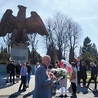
[42, 83]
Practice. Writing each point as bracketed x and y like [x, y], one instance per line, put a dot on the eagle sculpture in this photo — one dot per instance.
[20, 26]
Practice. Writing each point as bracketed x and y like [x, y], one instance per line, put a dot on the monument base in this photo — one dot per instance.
[19, 52]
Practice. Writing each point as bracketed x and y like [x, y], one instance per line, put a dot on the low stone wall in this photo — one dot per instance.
[3, 69]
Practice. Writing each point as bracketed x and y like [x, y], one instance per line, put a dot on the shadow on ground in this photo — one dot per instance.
[16, 94]
[95, 93]
[28, 94]
[79, 89]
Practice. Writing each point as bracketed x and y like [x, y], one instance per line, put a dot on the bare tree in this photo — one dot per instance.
[50, 41]
[32, 40]
[74, 35]
[64, 35]
[57, 29]
[33, 43]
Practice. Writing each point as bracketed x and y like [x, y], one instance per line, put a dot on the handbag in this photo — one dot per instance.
[73, 76]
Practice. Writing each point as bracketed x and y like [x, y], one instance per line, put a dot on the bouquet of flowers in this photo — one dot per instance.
[59, 72]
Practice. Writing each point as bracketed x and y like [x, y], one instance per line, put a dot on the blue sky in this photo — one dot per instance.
[84, 12]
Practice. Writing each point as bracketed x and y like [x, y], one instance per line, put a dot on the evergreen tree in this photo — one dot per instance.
[86, 46]
[89, 52]
[4, 56]
[34, 57]
[93, 49]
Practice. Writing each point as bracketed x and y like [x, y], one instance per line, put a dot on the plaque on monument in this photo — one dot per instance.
[19, 53]
[19, 26]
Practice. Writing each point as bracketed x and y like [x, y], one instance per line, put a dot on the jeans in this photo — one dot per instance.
[28, 78]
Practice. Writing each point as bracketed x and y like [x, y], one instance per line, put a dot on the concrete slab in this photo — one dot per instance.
[11, 90]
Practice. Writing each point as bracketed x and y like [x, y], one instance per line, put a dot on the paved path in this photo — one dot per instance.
[11, 90]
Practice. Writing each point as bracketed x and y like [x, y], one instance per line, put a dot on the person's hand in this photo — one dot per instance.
[51, 76]
[26, 73]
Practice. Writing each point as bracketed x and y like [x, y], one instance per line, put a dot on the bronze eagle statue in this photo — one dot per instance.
[20, 26]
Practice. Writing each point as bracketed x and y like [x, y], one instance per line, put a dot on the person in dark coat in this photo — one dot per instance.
[11, 71]
[29, 70]
[79, 70]
[93, 75]
[84, 73]
[18, 66]
[7, 69]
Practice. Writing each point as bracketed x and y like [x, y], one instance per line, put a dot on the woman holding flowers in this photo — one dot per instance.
[63, 83]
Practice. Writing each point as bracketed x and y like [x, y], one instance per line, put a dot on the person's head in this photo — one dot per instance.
[79, 59]
[18, 62]
[83, 63]
[28, 63]
[73, 64]
[24, 65]
[92, 64]
[56, 66]
[46, 60]
[57, 62]
[37, 64]
[64, 65]
[13, 61]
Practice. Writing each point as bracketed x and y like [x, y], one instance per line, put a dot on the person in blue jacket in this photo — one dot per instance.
[43, 80]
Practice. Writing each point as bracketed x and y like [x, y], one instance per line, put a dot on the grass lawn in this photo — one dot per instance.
[88, 76]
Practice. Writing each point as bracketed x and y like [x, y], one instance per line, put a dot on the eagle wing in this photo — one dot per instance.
[34, 24]
[7, 23]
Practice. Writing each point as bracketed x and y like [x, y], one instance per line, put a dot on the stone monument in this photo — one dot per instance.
[19, 27]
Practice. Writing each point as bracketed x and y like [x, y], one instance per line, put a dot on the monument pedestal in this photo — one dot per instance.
[19, 52]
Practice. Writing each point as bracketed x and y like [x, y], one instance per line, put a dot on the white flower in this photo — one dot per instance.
[59, 72]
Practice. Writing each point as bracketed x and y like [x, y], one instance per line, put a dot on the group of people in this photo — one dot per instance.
[44, 81]
[21, 71]
[82, 73]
